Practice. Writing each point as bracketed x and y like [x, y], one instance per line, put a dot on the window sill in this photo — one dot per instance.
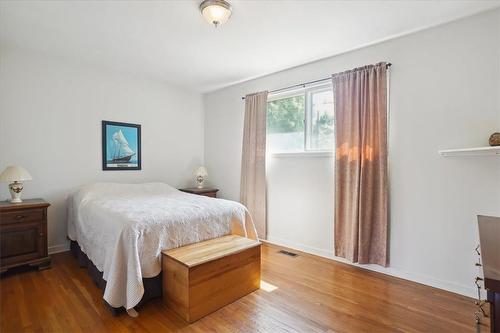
[303, 154]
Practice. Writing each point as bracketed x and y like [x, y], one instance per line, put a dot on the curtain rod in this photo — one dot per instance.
[303, 85]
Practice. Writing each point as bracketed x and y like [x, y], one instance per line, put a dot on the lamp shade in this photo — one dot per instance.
[201, 171]
[216, 11]
[14, 173]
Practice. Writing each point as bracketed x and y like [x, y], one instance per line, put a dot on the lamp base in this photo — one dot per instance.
[15, 191]
[200, 180]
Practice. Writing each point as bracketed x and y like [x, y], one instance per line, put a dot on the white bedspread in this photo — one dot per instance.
[124, 227]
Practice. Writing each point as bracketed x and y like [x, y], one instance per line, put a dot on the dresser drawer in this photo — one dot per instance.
[22, 216]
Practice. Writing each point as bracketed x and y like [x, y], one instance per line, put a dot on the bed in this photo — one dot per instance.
[121, 230]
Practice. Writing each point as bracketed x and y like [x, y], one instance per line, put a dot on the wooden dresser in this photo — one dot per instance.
[23, 234]
[208, 192]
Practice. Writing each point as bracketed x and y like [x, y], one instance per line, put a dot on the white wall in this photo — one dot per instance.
[445, 87]
[50, 123]
[300, 201]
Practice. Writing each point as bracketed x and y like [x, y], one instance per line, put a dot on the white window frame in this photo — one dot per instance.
[307, 92]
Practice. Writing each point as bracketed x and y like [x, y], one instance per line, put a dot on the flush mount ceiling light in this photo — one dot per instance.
[215, 11]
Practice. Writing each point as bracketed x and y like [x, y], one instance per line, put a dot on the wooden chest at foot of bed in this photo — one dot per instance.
[200, 278]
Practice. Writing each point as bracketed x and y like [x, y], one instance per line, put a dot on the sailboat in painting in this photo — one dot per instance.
[122, 152]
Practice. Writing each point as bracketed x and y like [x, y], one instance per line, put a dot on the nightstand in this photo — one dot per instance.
[23, 234]
[208, 192]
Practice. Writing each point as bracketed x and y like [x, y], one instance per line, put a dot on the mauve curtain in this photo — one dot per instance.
[253, 161]
[361, 189]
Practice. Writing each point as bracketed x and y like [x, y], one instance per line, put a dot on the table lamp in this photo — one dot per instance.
[15, 175]
[201, 174]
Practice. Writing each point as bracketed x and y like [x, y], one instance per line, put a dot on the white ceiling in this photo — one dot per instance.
[171, 42]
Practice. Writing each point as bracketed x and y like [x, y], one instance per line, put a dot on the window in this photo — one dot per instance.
[285, 123]
[320, 120]
[301, 121]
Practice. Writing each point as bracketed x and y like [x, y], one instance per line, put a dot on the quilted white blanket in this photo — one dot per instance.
[124, 227]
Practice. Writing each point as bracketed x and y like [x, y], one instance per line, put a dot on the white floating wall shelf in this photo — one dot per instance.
[479, 151]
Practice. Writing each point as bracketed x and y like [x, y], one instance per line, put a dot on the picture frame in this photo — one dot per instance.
[121, 146]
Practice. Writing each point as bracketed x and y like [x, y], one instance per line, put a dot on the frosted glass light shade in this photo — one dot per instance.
[14, 173]
[216, 11]
[201, 171]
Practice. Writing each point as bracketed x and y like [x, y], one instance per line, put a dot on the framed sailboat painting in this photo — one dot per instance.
[121, 146]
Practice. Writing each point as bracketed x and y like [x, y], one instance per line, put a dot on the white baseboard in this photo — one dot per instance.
[59, 248]
[469, 291]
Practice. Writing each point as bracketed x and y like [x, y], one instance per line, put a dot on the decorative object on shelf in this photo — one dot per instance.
[495, 139]
[216, 12]
[206, 192]
[16, 175]
[121, 146]
[201, 175]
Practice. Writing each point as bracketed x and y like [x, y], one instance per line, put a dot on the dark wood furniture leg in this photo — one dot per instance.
[494, 300]
[42, 264]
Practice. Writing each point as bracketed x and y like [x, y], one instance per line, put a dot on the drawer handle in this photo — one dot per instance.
[40, 234]
[20, 217]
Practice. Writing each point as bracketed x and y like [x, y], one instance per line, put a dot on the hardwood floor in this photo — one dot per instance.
[312, 295]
